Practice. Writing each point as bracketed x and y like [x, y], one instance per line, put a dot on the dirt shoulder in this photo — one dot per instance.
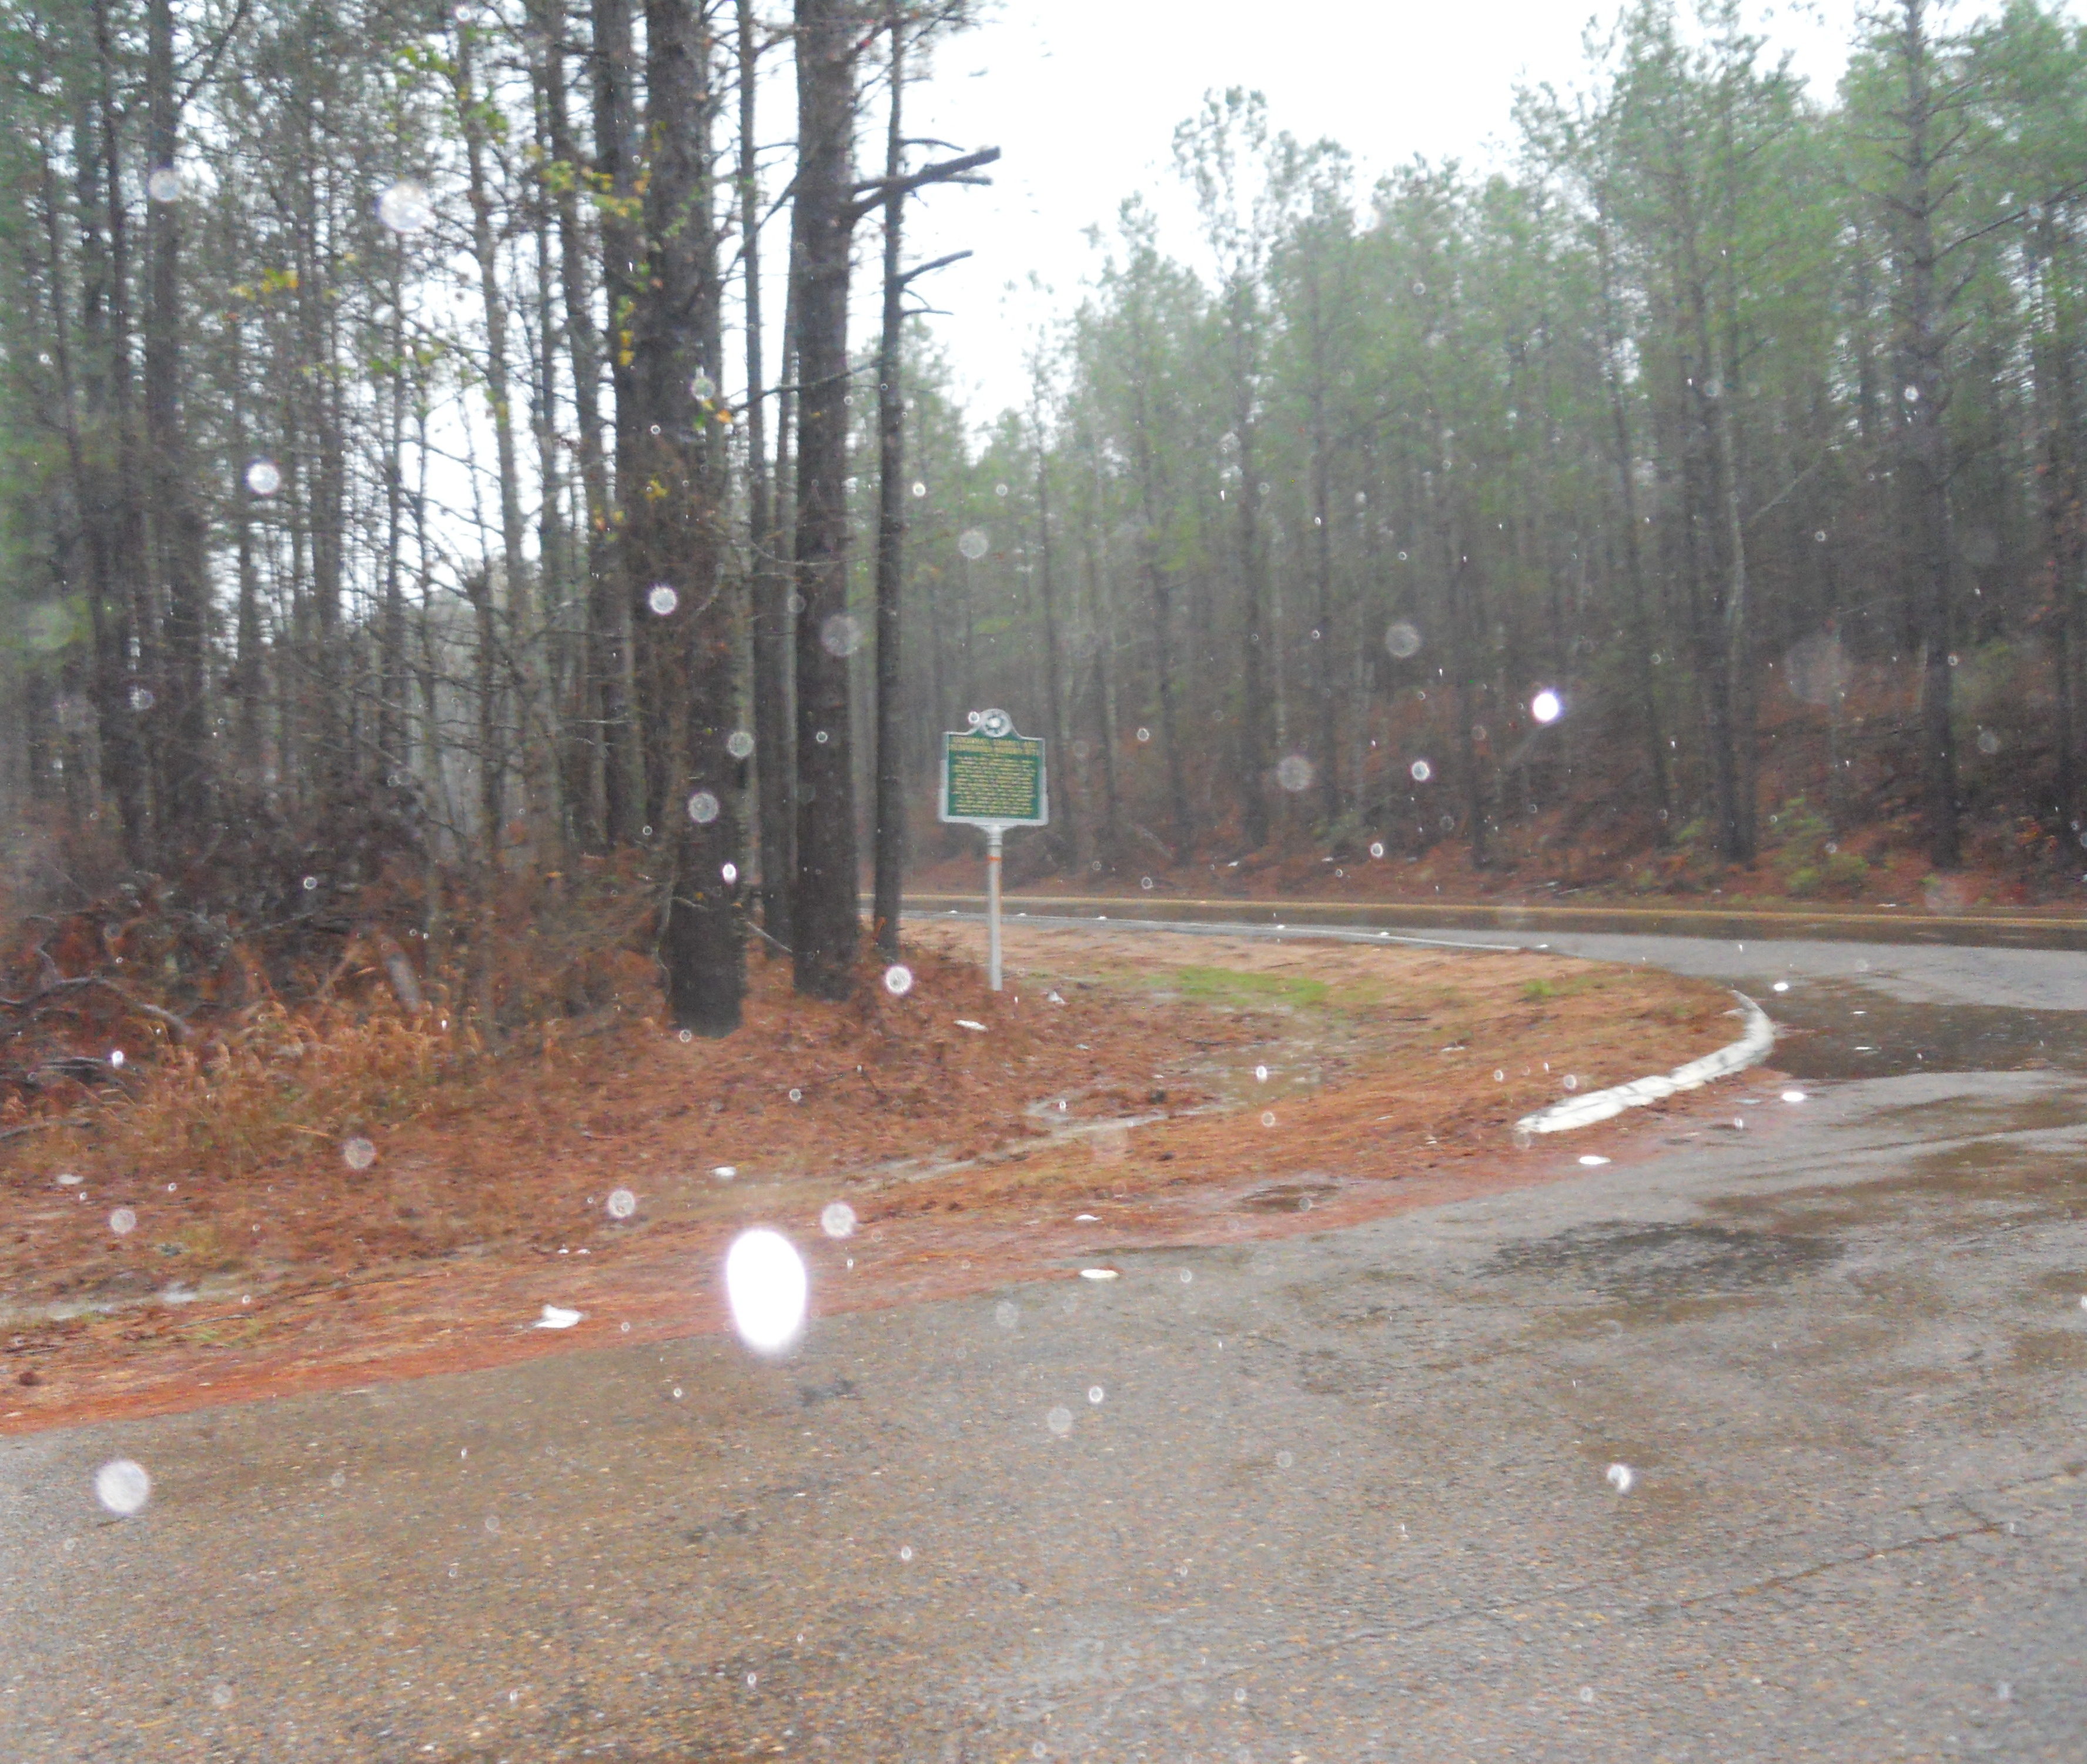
[1128, 1090]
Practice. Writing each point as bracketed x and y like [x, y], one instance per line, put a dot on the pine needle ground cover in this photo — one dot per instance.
[1128, 1090]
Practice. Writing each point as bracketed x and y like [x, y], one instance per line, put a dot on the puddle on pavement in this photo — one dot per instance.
[1953, 1118]
[1978, 1184]
[1289, 1197]
[1840, 1029]
[1631, 1263]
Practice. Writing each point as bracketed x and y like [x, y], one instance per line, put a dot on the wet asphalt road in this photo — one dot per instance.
[1330, 1498]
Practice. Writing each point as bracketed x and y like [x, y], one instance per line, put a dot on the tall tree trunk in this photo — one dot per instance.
[521, 622]
[394, 686]
[1323, 658]
[677, 523]
[1923, 446]
[616, 163]
[890, 835]
[603, 700]
[774, 774]
[2065, 543]
[1254, 707]
[176, 524]
[246, 674]
[1637, 622]
[1054, 695]
[824, 916]
[1158, 593]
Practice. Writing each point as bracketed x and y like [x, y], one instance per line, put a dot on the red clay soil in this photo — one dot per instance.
[1174, 1089]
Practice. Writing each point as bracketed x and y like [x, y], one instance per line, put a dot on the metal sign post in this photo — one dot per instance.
[993, 831]
[993, 778]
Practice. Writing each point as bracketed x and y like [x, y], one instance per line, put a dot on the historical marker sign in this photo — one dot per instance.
[993, 777]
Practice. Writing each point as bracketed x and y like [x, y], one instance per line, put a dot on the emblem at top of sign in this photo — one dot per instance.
[995, 723]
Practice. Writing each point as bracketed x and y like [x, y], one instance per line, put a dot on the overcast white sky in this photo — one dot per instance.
[1082, 97]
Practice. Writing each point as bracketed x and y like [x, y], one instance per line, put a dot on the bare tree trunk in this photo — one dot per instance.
[1047, 590]
[823, 914]
[624, 761]
[679, 534]
[522, 621]
[1637, 613]
[1923, 447]
[120, 607]
[774, 774]
[1254, 709]
[890, 835]
[2057, 401]
[1158, 593]
[393, 687]
[176, 525]
[1323, 661]
[246, 676]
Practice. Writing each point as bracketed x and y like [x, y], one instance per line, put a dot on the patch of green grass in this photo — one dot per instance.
[1538, 990]
[1231, 986]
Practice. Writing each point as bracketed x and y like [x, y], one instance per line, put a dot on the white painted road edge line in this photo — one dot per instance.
[1601, 1105]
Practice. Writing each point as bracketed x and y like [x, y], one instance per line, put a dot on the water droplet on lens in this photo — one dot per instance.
[405, 208]
[765, 1285]
[1095, 1392]
[730, 873]
[1294, 772]
[837, 1219]
[358, 1153]
[1144, 735]
[1546, 707]
[703, 808]
[1402, 639]
[123, 1221]
[1284, 1460]
[121, 1486]
[662, 599]
[622, 1203]
[899, 980]
[974, 544]
[840, 634]
[1621, 1478]
[738, 743]
[1059, 1421]
[1421, 771]
[263, 477]
[165, 185]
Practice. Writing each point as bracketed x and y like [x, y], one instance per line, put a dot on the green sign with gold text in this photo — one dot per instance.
[990, 779]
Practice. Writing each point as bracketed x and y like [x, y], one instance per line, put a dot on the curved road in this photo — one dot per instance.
[1331, 1498]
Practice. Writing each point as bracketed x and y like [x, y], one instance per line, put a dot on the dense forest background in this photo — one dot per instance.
[433, 455]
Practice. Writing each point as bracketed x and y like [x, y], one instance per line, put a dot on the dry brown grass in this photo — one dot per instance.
[326, 1073]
